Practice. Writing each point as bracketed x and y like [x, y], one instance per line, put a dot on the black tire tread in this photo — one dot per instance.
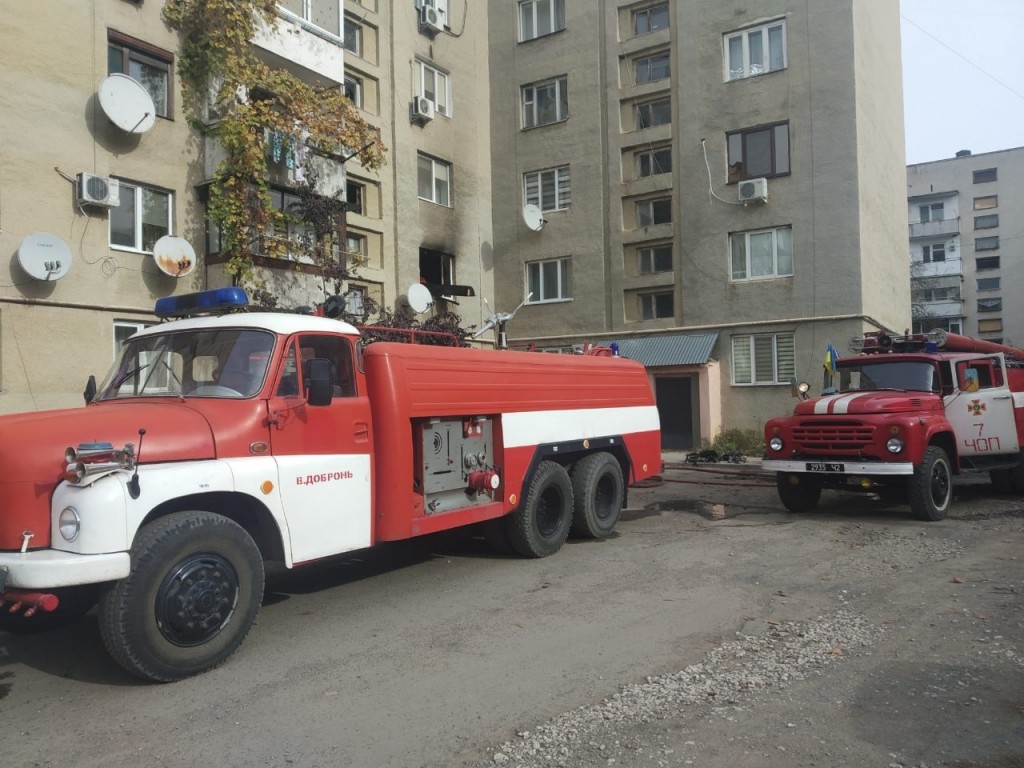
[921, 502]
[523, 532]
[587, 475]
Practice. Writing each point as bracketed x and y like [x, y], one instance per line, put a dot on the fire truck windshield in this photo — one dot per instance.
[903, 375]
[229, 363]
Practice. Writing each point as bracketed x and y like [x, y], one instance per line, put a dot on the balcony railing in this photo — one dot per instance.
[936, 268]
[940, 228]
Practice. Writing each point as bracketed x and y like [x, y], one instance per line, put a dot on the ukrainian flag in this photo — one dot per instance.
[831, 358]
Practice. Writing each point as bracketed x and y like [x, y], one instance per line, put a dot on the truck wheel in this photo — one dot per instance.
[798, 493]
[541, 524]
[195, 587]
[597, 496]
[74, 603]
[931, 487]
[1015, 477]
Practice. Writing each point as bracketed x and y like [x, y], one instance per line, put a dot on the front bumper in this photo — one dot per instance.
[857, 468]
[50, 568]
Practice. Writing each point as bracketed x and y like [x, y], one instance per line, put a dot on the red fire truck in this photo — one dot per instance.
[908, 413]
[219, 442]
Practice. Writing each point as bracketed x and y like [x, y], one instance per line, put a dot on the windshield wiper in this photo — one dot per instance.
[127, 375]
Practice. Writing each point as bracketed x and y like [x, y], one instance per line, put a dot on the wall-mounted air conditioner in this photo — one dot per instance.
[97, 190]
[421, 110]
[753, 190]
[431, 19]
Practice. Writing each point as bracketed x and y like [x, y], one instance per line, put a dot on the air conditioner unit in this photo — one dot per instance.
[753, 189]
[97, 190]
[431, 19]
[421, 110]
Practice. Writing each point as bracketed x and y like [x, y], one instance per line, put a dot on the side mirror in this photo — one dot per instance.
[317, 376]
[90, 389]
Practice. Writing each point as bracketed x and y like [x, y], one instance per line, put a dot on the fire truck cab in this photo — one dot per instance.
[905, 415]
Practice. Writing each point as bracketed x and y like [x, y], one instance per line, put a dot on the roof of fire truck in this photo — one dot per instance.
[936, 342]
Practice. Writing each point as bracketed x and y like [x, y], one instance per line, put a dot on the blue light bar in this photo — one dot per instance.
[215, 301]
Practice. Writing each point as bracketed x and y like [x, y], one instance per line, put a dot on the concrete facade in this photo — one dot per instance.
[966, 225]
[830, 93]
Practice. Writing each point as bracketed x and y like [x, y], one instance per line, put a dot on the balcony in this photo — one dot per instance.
[945, 268]
[941, 308]
[309, 51]
[940, 228]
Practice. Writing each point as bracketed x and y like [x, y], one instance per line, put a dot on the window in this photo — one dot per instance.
[990, 326]
[656, 258]
[355, 248]
[434, 180]
[144, 63]
[655, 306]
[437, 269]
[755, 51]
[355, 197]
[292, 227]
[766, 253]
[545, 103]
[653, 113]
[540, 17]
[549, 190]
[990, 305]
[989, 221]
[353, 89]
[122, 330]
[758, 152]
[353, 38]
[988, 262]
[986, 243]
[650, 19]
[651, 68]
[986, 174]
[651, 162]
[988, 201]
[324, 14]
[434, 86]
[931, 212]
[949, 324]
[935, 289]
[763, 359]
[549, 280]
[988, 284]
[933, 253]
[142, 217]
[650, 212]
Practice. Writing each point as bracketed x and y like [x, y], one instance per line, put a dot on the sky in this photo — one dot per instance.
[963, 80]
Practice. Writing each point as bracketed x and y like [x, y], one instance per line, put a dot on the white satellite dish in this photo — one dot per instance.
[128, 105]
[533, 217]
[44, 256]
[174, 256]
[419, 297]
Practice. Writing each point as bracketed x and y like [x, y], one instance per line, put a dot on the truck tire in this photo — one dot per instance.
[597, 496]
[193, 593]
[541, 524]
[1015, 477]
[931, 486]
[801, 496]
[74, 603]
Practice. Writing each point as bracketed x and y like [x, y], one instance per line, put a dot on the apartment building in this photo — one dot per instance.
[103, 201]
[966, 219]
[719, 185]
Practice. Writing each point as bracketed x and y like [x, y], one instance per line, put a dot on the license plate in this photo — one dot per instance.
[824, 466]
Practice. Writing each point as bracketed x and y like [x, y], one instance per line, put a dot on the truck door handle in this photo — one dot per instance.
[361, 431]
[1001, 397]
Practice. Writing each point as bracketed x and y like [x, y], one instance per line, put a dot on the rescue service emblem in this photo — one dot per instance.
[975, 407]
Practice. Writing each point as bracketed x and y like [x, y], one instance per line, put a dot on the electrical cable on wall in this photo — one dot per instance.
[711, 191]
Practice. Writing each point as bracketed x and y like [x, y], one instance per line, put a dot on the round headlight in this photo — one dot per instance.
[894, 445]
[775, 443]
[69, 523]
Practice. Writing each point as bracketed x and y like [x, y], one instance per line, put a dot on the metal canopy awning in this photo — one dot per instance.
[676, 349]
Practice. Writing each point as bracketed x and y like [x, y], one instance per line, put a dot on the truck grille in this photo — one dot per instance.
[819, 436]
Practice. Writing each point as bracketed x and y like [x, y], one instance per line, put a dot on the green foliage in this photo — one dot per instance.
[748, 442]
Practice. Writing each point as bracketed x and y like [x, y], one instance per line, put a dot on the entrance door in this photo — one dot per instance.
[675, 410]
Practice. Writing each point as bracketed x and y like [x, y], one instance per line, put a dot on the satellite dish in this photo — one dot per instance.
[174, 256]
[533, 217]
[44, 256]
[419, 297]
[128, 105]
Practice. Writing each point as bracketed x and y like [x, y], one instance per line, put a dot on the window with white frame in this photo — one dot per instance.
[549, 189]
[647, 20]
[545, 102]
[435, 87]
[763, 359]
[123, 330]
[355, 197]
[540, 17]
[353, 89]
[352, 41]
[656, 306]
[933, 252]
[931, 212]
[549, 280]
[324, 14]
[653, 113]
[931, 289]
[437, 269]
[434, 180]
[762, 254]
[654, 258]
[755, 51]
[649, 69]
[651, 162]
[355, 248]
[141, 218]
[657, 211]
[948, 324]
